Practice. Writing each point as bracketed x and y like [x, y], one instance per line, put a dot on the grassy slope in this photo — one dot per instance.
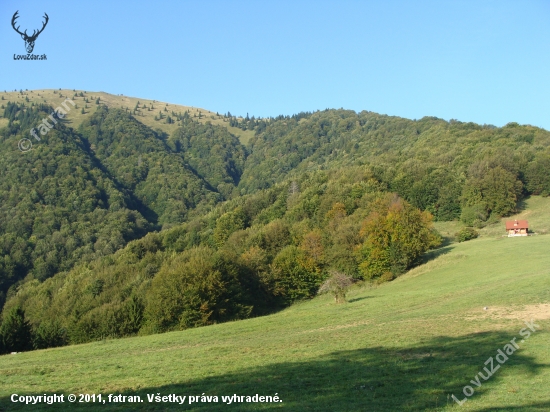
[406, 345]
[535, 209]
[75, 116]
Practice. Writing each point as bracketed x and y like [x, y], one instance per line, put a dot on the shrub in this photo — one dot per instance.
[386, 277]
[467, 233]
[475, 215]
[49, 334]
[337, 284]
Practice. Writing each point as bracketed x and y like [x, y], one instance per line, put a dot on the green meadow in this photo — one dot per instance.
[535, 209]
[406, 345]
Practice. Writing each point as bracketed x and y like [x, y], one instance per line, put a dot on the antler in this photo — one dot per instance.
[15, 16]
[43, 24]
[34, 34]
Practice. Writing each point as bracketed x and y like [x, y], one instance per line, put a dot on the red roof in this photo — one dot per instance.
[517, 224]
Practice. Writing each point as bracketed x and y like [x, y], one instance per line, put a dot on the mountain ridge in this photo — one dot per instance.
[308, 195]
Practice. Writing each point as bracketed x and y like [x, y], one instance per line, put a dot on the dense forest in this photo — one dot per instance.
[83, 194]
[444, 167]
[113, 229]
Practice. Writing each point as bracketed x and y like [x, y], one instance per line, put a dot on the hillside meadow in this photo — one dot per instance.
[405, 345]
[534, 209]
[88, 102]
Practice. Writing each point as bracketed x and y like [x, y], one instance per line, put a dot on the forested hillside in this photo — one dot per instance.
[238, 231]
[250, 256]
[199, 165]
[448, 168]
[57, 206]
[81, 194]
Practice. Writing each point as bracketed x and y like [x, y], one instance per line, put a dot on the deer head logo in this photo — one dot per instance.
[29, 40]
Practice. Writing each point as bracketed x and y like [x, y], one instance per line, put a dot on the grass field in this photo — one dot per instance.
[536, 210]
[407, 345]
[147, 117]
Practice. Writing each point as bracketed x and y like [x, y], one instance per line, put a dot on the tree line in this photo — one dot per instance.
[248, 257]
[115, 229]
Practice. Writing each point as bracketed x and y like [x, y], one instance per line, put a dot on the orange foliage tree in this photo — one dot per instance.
[395, 234]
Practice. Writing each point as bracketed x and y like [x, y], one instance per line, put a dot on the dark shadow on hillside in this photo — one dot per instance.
[522, 205]
[447, 240]
[433, 254]
[133, 202]
[358, 299]
[422, 378]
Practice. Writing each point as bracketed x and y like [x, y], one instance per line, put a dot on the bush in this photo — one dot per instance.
[386, 277]
[475, 215]
[337, 284]
[49, 334]
[467, 233]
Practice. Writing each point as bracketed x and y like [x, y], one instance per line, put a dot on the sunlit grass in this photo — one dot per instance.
[535, 209]
[406, 345]
[75, 117]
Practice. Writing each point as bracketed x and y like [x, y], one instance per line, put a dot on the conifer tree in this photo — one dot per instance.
[15, 331]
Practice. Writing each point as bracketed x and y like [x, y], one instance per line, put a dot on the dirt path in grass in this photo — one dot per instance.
[527, 312]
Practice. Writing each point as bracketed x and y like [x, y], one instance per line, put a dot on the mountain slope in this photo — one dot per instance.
[440, 166]
[406, 345]
[142, 163]
[81, 194]
[289, 169]
[145, 110]
[57, 207]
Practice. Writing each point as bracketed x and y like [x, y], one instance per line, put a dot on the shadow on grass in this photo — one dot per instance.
[522, 205]
[421, 378]
[358, 299]
[434, 254]
[447, 240]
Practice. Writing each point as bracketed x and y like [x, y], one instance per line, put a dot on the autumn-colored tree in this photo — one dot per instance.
[290, 279]
[395, 235]
[337, 212]
[313, 254]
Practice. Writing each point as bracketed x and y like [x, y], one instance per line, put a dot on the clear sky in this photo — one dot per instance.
[482, 61]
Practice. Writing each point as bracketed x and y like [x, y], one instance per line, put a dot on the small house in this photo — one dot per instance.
[517, 228]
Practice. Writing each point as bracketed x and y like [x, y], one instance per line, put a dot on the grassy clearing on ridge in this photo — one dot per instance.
[147, 117]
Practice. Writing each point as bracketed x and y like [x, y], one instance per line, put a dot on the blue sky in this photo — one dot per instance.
[481, 61]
